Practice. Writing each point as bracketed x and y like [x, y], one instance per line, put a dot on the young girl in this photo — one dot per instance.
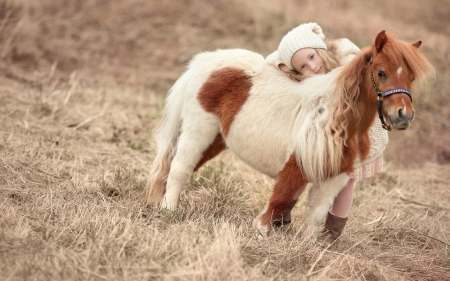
[302, 53]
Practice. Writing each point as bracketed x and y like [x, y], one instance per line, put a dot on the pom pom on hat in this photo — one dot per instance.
[307, 35]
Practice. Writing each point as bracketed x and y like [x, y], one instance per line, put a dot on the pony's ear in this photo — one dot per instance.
[417, 44]
[380, 41]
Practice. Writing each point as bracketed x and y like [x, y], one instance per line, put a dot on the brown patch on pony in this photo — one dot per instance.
[217, 146]
[224, 93]
[289, 181]
[364, 146]
[351, 149]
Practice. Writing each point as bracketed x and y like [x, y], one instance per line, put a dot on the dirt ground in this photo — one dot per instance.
[82, 85]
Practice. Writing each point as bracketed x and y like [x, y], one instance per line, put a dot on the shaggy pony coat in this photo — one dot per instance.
[296, 133]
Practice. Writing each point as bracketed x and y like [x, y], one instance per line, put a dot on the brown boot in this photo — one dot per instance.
[334, 226]
[284, 217]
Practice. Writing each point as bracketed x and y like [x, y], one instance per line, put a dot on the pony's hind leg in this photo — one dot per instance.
[216, 147]
[320, 198]
[289, 182]
[192, 143]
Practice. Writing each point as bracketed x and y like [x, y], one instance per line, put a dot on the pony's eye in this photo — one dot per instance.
[381, 74]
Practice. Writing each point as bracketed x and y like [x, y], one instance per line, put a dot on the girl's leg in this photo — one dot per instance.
[344, 200]
[337, 216]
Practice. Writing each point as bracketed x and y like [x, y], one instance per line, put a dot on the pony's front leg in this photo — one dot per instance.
[289, 182]
[320, 198]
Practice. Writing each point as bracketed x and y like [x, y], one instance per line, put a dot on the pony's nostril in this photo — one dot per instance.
[412, 116]
[401, 114]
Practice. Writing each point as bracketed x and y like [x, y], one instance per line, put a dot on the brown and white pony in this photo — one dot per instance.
[296, 133]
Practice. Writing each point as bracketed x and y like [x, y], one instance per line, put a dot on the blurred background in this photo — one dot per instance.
[145, 44]
[82, 85]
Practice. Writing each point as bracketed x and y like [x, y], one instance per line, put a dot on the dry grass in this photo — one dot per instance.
[81, 88]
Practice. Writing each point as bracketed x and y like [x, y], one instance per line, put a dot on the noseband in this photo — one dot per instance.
[382, 95]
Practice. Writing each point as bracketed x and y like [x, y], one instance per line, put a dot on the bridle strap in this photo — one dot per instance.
[381, 95]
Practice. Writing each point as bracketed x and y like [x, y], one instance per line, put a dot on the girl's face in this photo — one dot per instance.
[308, 62]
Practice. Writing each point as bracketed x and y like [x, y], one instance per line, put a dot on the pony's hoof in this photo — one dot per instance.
[312, 240]
[167, 204]
[261, 230]
[311, 234]
[280, 223]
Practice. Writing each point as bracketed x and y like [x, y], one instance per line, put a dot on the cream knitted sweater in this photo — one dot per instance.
[378, 135]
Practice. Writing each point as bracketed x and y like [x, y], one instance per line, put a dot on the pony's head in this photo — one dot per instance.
[395, 66]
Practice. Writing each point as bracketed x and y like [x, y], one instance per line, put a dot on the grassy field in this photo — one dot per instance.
[82, 85]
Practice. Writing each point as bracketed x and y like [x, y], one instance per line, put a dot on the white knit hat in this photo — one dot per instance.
[307, 35]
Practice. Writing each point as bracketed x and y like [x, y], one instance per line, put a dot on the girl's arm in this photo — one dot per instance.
[347, 49]
[274, 60]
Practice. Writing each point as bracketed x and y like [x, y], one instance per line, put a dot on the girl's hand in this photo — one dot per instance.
[283, 67]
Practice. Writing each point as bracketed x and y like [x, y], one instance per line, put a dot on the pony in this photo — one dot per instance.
[297, 133]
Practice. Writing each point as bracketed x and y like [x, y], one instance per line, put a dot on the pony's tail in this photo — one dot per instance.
[167, 134]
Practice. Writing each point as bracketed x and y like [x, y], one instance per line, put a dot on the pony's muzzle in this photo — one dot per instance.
[401, 119]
